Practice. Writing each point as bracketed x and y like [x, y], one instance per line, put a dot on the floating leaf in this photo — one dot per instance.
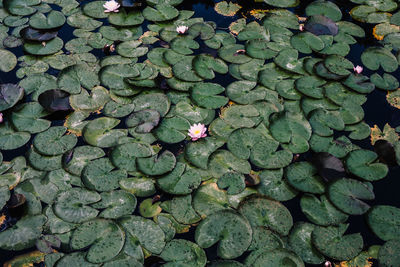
[236, 238]
[347, 195]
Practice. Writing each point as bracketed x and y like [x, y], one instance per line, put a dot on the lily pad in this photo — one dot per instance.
[237, 233]
[347, 195]
[24, 234]
[269, 213]
[332, 242]
[104, 237]
[384, 221]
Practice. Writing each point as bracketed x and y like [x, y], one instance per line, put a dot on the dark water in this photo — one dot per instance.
[377, 111]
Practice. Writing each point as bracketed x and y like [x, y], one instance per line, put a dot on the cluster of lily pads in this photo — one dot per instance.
[122, 178]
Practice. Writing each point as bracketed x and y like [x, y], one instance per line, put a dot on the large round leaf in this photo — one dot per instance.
[332, 242]
[362, 163]
[321, 211]
[389, 254]
[40, 21]
[23, 234]
[100, 175]
[8, 62]
[303, 176]
[157, 164]
[269, 213]
[99, 132]
[147, 232]
[72, 205]
[10, 94]
[38, 49]
[104, 237]
[180, 251]
[53, 142]
[231, 230]
[347, 195]
[300, 242]
[384, 221]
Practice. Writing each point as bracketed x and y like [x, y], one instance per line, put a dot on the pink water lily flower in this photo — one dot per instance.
[111, 6]
[197, 131]
[1, 117]
[181, 29]
[358, 69]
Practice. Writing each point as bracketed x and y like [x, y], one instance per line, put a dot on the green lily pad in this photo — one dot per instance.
[148, 209]
[384, 221]
[375, 57]
[321, 211]
[180, 251]
[161, 12]
[53, 142]
[234, 182]
[124, 156]
[273, 185]
[389, 253]
[42, 162]
[126, 19]
[40, 21]
[99, 132]
[95, 9]
[104, 237]
[10, 95]
[303, 177]
[27, 118]
[269, 213]
[284, 3]
[347, 195]
[157, 164]
[232, 54]
[139, 186]
[172, 130]
[332, 242]
[362, 164]
[98, 97]
[205, 66]
[77, 258]
[276, 257]
[182, 180]
[300, 242]
[100, 175]
[80, 157]
[72, 205]
[288, 60]
[206, 95]
[38, 49]
[180, 207]
[236, 238]
[325, 8]
[9, 60]
[23, 234]
[148, 233]
[385, 82]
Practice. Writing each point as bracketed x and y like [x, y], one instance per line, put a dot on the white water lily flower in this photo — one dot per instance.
[111, 6]
[358, 69]
[197, 131]
[182, 29]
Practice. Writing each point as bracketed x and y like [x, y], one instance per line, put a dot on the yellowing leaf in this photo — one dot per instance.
[26, 259]
[393, 97]
[258, 13]
[237, 26]
[380, 30]
[228, 9]
[362, 260]
[389, 134]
